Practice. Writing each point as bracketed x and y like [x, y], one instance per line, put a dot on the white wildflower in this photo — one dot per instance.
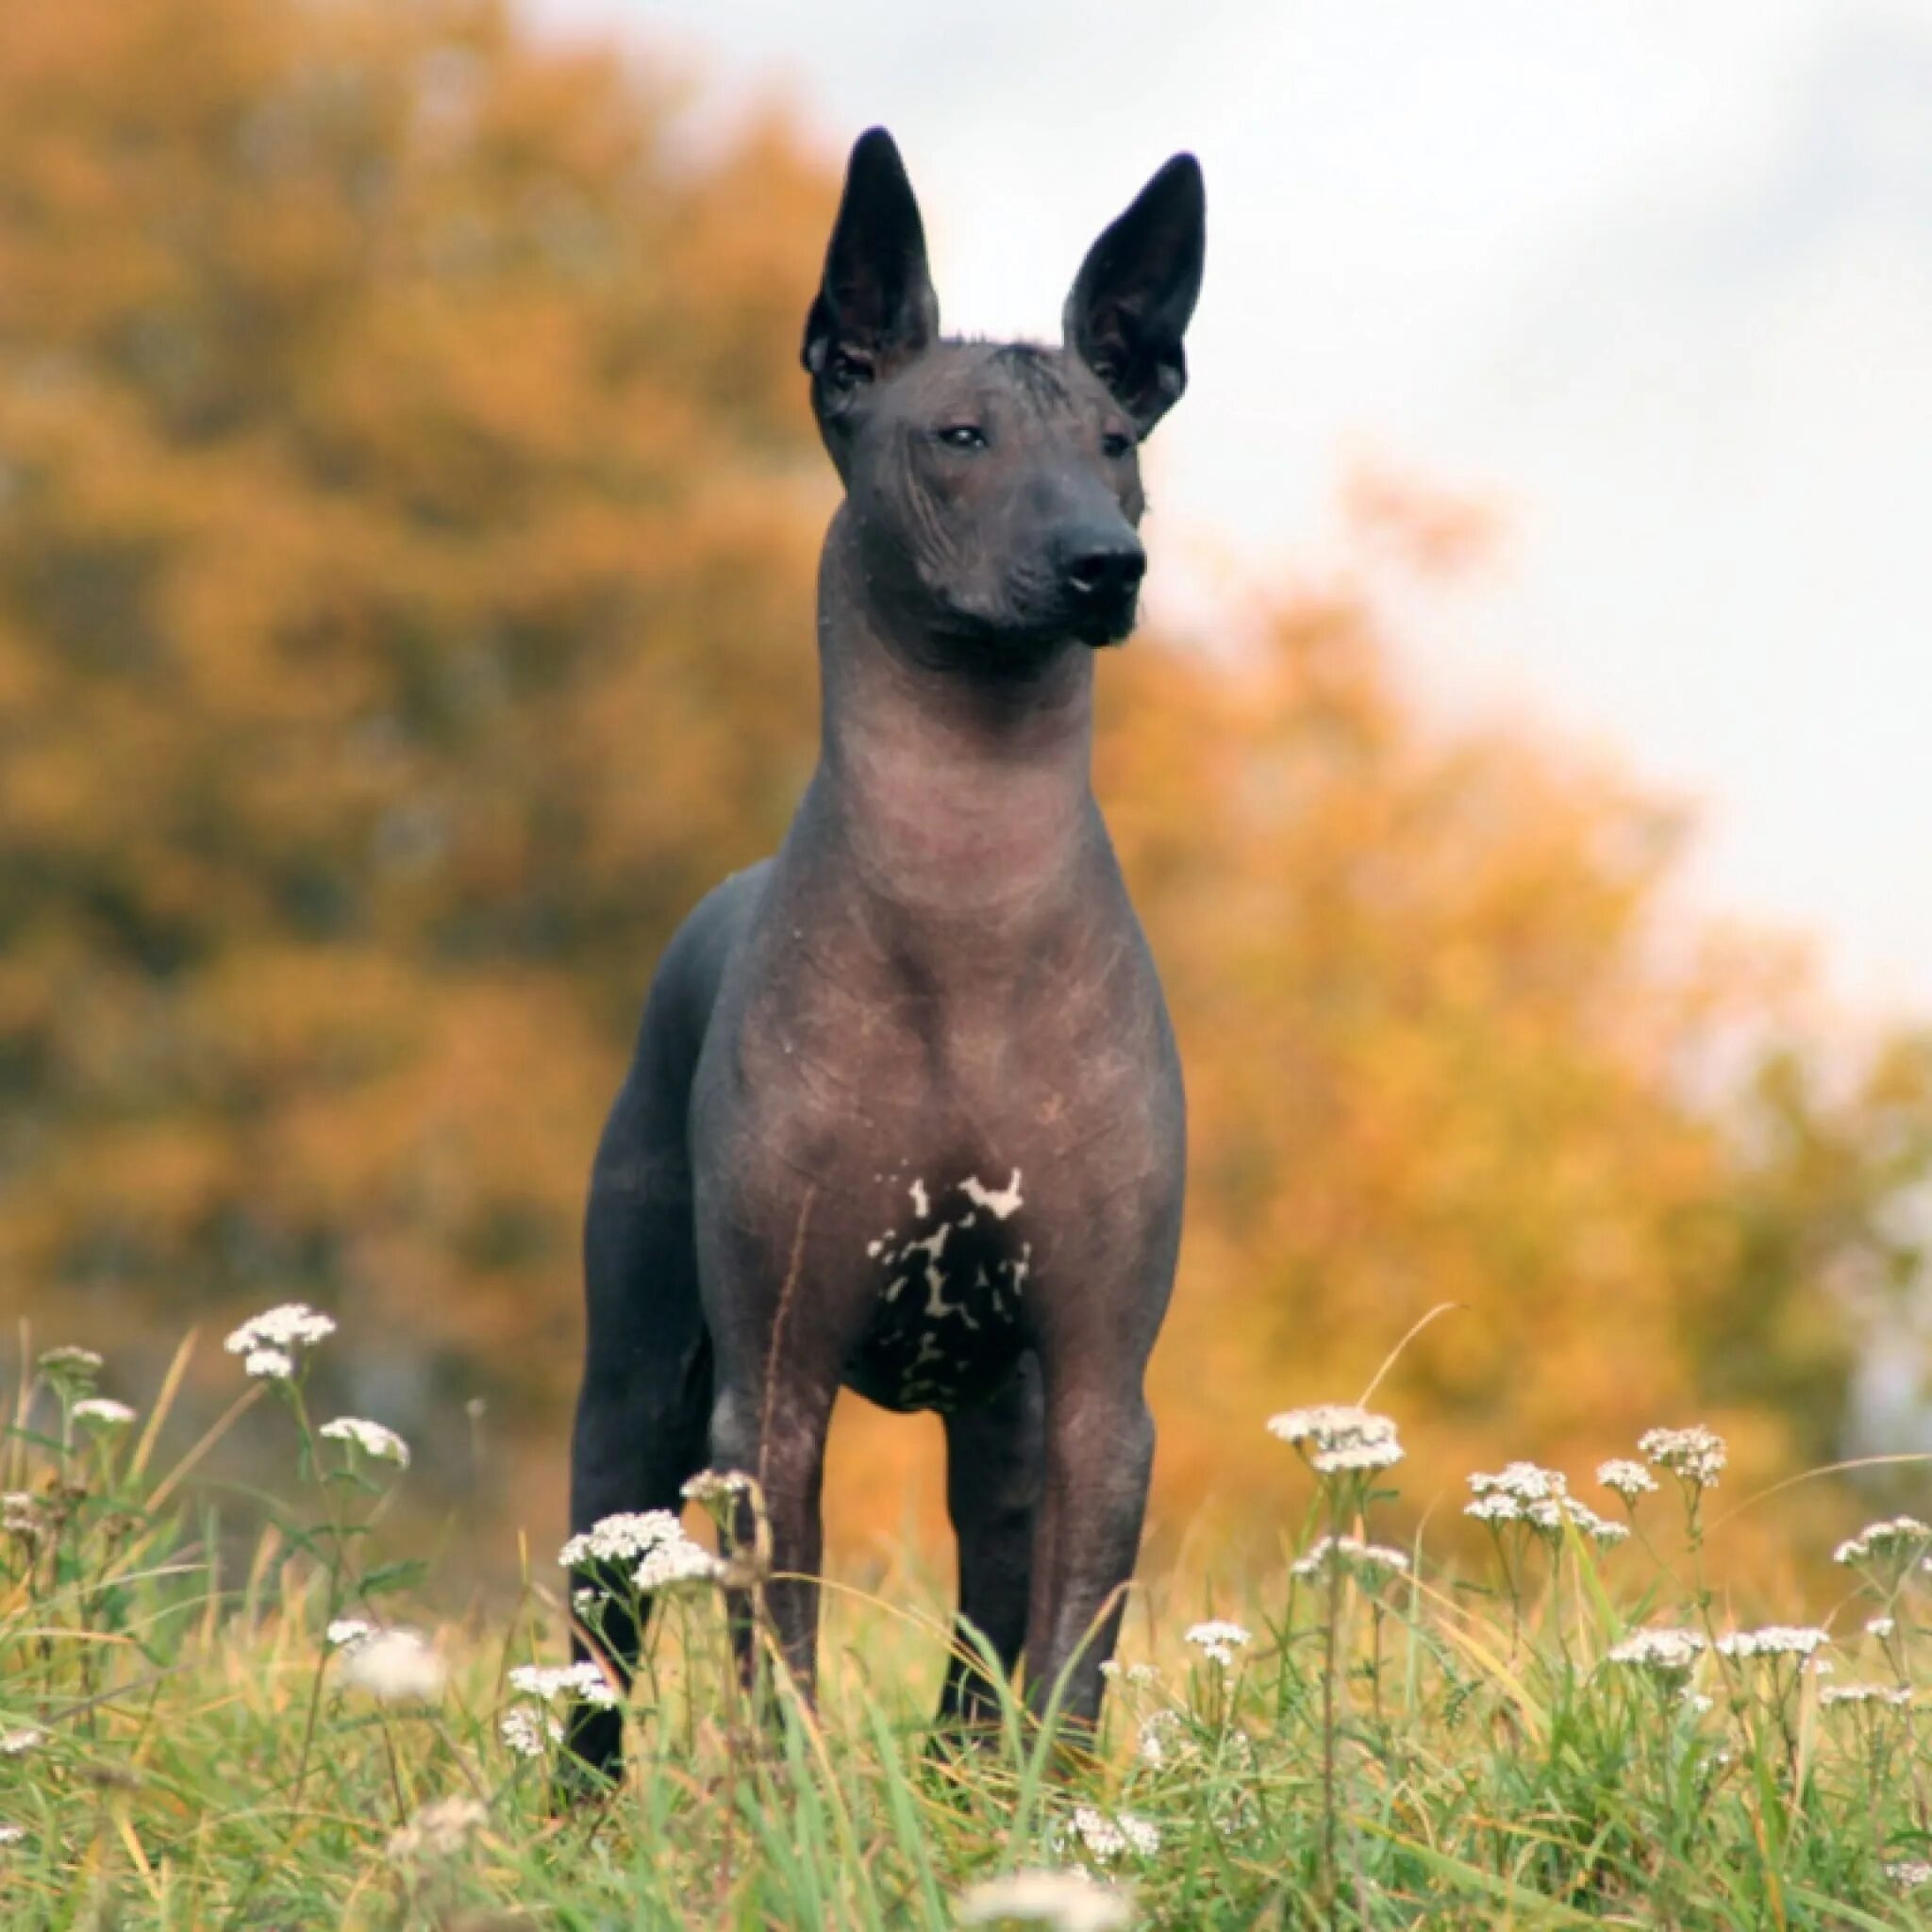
[716, 1485]
[1897, 1537]
[1163, 1735]
[675, 1563]
[103, 1413]
[1880, 1628]
[1062, 1901]
[525, 1731]
[1551, 1516]
[620, 1539]
[1219, 1639]
[1694, 1456]
[345, 1633]
[1495, 1508]
[377, 1443]
[1773, 1639]
[20, 1514]
[1665, 1651]
[1339, 1438]
[1349, 1555]
[1908, 1874]
[397, 1666]
[269, 1365]
[16, 1833]
[1106, 1838]
[584, 1681]
[17, 1743]
[1628, 1479]
[1899, 1696]
[1135, 1676]
[587, 1603]
[70, 1361]
[1522, 1482]
[288, 1328]
[438, 1831]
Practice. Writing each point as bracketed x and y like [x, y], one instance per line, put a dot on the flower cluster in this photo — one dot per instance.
[377, 1443]
[1064, 1901]
[1162, 1737]
[653, 1541]
[1339, 1439]
[1351, 1556]
[1628, 1479]
[103, 1413]
[1219, 1639]
[1694, 1455]
[396, 1665]
[1668, 1653]
[1899, 1696]
[527, 1732]
[345, 1633]
[714, 1486]
[1895, 1540]
[437, 1831]
[69, 1364]
[584, 1681]
[1105, 1838]
[1540, 1498]
[1773, 1639]
[270, 1343]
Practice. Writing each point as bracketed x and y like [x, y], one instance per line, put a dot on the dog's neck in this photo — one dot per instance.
[950, 790]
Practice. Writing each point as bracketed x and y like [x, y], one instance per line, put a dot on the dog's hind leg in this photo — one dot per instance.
[994, 1457]
[645, 1407]
[644, 1411]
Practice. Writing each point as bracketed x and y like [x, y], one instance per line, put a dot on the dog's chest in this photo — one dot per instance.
[949, 1270]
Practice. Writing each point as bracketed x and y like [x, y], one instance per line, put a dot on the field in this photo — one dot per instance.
[1350, 1737]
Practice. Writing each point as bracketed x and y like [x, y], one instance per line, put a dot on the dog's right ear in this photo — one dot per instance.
[875, 308]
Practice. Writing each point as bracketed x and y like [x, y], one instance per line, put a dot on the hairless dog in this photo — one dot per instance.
[905, 1114]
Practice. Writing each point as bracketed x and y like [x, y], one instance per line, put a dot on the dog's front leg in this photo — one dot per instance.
[775, 1431]
[1099, 1456]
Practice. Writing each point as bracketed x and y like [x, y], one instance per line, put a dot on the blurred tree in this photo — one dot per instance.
[408, 514]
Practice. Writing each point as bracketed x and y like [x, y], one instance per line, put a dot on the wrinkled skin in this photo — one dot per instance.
[906, 1113]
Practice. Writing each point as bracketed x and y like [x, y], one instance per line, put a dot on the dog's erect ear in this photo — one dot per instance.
[875, 308]
[1135, 291]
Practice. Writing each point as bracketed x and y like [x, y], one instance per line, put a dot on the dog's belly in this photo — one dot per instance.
[949, 1270]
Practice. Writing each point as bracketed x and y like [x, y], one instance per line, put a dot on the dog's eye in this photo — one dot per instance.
[963, 436]
[1113, 444]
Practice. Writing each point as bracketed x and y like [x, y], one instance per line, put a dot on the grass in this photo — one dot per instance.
[1375, 1743]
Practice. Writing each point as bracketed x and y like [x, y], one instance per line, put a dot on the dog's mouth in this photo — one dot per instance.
[1013, 639]
[1112, 624]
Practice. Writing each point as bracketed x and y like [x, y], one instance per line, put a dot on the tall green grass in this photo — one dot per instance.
[182, 1745]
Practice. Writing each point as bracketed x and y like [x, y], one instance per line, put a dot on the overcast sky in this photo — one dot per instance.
[1655, 276]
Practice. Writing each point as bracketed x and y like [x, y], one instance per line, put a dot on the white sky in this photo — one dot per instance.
[1656, 276]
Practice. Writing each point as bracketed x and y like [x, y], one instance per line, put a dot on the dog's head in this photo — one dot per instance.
[997, 487]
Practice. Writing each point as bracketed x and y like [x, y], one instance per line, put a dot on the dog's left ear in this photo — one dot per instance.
[1132, 301]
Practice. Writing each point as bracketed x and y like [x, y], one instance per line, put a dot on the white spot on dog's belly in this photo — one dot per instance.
[1001, 1204]
[922, 1207]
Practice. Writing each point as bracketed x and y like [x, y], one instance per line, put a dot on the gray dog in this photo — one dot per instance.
[905, 1112]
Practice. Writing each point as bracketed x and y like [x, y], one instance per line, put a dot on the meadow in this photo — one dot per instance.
[291, 1732]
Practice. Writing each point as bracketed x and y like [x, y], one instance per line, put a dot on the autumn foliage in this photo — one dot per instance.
[407, 513]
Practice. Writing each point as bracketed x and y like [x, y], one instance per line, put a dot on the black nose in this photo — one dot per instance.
[1105, 571]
